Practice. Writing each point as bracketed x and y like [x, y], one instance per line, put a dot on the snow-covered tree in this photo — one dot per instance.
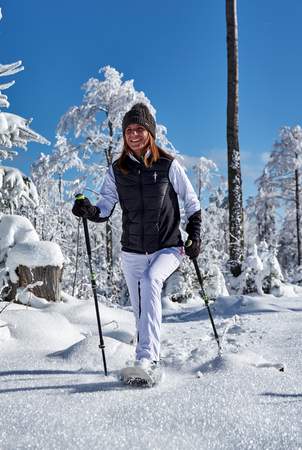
[251, 276]
[272, 276]
[203, 171]
[261, 272]
[7, 70]
[15, 188]
[15, 132]
[284, 169]
[266, 204]
[287, 242]
[250, 223]
[214, 230]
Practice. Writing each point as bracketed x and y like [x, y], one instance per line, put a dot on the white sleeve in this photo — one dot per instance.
[108, 194]
[184, 189]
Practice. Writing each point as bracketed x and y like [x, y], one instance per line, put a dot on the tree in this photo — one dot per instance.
[287, 242]
[266, 204]
[213, 230]
[250, 223]
[236, 240]
[15, 187]
[202, 171]
[284, 168]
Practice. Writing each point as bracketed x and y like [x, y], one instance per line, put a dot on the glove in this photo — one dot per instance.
[192, 248]
[194, 226]
[83, 208]
[192, 245]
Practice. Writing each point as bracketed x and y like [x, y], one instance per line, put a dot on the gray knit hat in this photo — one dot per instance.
[141, 115]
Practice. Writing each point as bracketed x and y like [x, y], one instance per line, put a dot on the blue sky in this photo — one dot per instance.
[176, 53]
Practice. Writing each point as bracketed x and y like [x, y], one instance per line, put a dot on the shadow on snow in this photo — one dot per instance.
[73, 388]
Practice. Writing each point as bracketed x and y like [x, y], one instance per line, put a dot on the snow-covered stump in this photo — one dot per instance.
[44, 282]
[37, 266]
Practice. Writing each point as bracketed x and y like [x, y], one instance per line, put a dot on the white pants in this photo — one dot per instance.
[145, 275]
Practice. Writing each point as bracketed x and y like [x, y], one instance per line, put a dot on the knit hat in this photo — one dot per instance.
[141, 115]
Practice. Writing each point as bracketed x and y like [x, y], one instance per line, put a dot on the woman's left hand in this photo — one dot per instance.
[192, 247]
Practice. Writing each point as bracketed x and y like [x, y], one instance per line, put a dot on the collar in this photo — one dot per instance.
[134, 158]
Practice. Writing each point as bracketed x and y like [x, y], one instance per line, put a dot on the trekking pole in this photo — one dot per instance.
[206, 300]
[93, 285]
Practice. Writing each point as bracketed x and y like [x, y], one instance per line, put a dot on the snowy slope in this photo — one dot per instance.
[54, 393]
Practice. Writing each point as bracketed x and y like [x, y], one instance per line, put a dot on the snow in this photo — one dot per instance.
[33, 254]
[4, 332]
[14, 230]
[20, 245]
[14, 131]
[26, 297]
[15, 186]
[54, 393]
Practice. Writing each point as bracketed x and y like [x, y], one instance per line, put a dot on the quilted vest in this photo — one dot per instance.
[149, 205]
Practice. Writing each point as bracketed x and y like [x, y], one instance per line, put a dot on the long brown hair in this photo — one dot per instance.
[156, 153]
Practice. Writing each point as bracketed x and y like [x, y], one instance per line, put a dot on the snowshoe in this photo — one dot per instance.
[141, 374]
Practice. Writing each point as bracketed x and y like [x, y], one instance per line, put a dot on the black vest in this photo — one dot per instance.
[150, 207]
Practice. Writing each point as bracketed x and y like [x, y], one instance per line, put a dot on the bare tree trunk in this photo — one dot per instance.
[298, 214]
[234, 169]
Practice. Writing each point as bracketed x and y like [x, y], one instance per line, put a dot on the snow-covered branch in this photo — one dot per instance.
[15, 187]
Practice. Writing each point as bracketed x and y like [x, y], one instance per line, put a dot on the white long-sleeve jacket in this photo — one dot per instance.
[178, 178]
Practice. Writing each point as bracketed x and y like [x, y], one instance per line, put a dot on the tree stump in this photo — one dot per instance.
[49, 275]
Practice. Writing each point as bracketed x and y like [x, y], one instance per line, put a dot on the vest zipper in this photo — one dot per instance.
[143, 208]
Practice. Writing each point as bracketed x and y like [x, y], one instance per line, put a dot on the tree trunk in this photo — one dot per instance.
[50, 277]
[298, 214]
[234, 169]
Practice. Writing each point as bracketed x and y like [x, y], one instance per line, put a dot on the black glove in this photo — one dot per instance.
[192, 247]
[194, 226]
[83, 208]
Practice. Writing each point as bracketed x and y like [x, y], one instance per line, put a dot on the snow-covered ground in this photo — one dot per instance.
[54, 395]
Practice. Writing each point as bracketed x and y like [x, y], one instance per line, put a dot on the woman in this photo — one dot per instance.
[147, 182]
